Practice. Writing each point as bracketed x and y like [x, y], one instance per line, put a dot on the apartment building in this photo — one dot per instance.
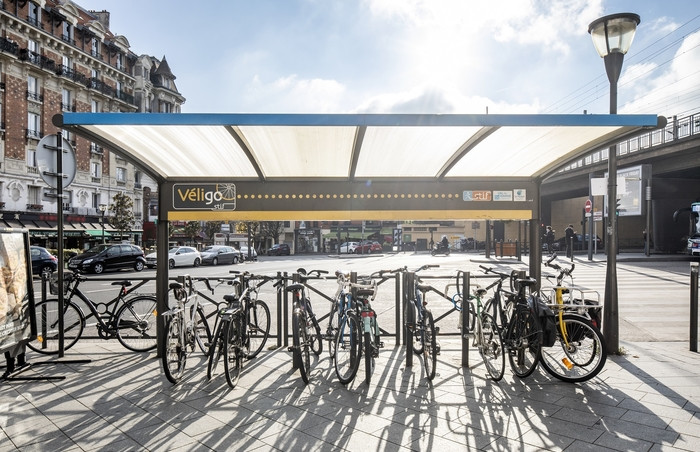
[56, 56]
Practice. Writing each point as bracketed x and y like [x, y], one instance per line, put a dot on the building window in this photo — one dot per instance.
[31, 158]
[120, 61]
[119, 89]
[95, 48]
[33, 88]
[67, 32]
[137, 179]
[33, 48]
[65, 100]
[33, 126]
[33, 14]
[95, 200]
[95, 170]
[34, 195]
[94, 107]
[67, 65]
[121, 174]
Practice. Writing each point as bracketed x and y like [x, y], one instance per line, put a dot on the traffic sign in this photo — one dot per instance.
[47, 164]
[588, 206]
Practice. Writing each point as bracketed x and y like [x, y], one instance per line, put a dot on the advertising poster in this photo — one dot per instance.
[16, 295]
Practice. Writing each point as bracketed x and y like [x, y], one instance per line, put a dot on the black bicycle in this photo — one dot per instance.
[306, 332]
[520, 329]
[131, 320]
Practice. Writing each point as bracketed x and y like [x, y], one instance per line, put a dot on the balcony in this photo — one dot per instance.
[96, 180]
[96, 149]
[35, 207]
[31, 95]
[32, 170]
[33, 134]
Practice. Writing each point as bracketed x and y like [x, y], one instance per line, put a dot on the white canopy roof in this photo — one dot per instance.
[351, 146]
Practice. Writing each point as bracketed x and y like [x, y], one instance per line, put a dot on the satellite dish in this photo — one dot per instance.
[47, 163]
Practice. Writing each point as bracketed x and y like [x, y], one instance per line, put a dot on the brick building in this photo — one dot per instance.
[56, 56]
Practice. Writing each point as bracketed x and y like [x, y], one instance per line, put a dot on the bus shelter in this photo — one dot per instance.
[350, 166]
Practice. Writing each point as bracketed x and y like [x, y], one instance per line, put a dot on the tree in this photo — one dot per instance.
[192, 229]
[122, 209]
[271, 229]
[211, 228]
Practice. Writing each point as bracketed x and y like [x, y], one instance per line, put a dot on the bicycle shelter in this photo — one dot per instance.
[349, 166]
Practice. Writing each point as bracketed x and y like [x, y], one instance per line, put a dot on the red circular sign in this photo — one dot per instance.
[589, 206]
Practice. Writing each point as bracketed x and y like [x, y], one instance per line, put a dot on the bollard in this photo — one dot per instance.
[694, 307]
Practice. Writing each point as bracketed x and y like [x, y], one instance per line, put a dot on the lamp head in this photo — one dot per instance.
[102, 207]
[614, 33]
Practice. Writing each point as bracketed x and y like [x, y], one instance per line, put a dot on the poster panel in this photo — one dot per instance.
[17, 322]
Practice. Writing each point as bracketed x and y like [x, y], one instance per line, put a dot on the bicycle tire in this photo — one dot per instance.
[201, 330]
[136, 324]
[313, 333]
[47, 326]
[302, 354]
[233, 353]
[524, 354]
[430, 345]
[369, 357]
[583, 358]
[258, 328]
[348, 346]
[175, 354]
[332, 331]
[414, 331]
[216, 349]
[491, 348]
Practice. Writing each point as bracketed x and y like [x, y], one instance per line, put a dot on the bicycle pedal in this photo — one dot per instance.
[290, 348]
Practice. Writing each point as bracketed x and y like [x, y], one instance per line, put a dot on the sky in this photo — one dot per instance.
[413, 56]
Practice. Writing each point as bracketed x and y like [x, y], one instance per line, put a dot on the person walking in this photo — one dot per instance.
[549, 239]
[569, 233]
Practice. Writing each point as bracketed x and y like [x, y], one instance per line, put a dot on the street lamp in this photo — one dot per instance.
[612, 36]
[103, 209]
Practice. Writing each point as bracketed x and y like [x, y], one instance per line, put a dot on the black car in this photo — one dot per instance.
[219, 254]
[280, 249]
[580, 243]
[103, 257]
[43, 262]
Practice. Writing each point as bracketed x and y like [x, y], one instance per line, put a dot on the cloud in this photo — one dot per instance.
[291, 94]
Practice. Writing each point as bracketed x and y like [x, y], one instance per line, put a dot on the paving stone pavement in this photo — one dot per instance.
[645, 400]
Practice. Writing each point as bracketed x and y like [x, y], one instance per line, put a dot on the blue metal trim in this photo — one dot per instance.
[355, 120]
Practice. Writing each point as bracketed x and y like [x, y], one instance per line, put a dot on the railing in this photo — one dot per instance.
[676, 129]
[31, 95]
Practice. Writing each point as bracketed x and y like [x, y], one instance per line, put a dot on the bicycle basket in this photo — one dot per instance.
[53, 284]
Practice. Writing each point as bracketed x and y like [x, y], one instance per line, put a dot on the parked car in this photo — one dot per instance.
[219, 254]
[178, 256]
[43, 262]
[244, 253]
[348, 247]
[279, 249]
[368, 247]
[106, 257]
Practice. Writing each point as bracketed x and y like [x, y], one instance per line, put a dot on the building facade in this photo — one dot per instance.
[56, 56]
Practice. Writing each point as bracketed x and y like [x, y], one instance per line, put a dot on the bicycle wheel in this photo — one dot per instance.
[47, 326]
[136, 324]
[348, 346]
[524, 353]
[216, 349]
[581, 357]
[201, 330]
[332, 331]
[258, 328]
[430, 349]
[233, 352]
[175, 355]
[491, 347]
[414, 324]
[302, 352]
[313, 333]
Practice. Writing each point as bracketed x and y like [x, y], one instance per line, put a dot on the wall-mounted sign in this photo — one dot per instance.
[204, 196]
[476, 195]
[503, 195]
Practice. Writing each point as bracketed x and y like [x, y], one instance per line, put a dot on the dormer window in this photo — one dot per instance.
[33, 14]
[67, 32]
[95, 48]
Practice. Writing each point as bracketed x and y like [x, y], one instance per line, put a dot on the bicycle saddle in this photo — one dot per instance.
[125, 283]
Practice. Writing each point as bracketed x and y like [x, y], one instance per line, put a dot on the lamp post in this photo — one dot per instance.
[103, 209]
[612, 36]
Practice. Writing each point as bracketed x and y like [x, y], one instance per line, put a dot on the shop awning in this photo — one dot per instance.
[97, 233]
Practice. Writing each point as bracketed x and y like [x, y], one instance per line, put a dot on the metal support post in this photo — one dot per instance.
[409, 320]
[465, 319]
[693, 306]
[397, 304]
[280, 291]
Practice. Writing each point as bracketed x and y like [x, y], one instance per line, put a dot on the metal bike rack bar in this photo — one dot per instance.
[465, 319]
[408, 296]
[694, 307]
[397, 307]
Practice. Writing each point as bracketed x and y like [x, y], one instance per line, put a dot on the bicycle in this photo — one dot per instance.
[519, 327]
[185, 326]
[241, 328]
[579, 352]
[363, 293]
[482, 328]
[131, 321]
[419, 323]
[347, 348]
[306, 333]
